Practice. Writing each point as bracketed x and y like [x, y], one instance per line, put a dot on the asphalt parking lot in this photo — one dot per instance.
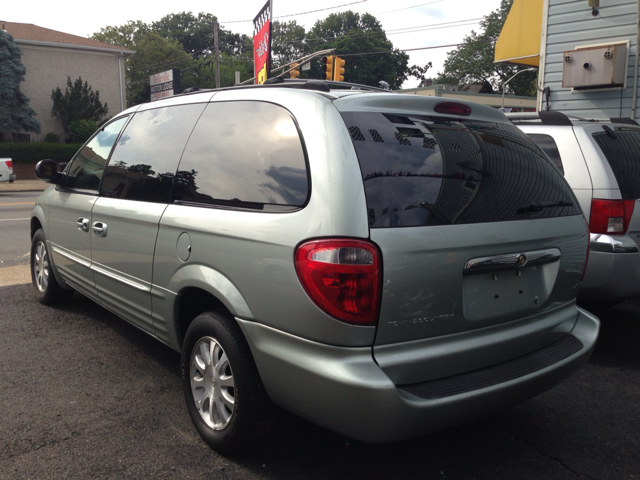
[86, 395]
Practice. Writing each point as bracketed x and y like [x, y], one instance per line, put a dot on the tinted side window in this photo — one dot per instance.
[86, 168]
[549, 147]
[145, 160]
[420, 170]
[244, 154]
[623, 154]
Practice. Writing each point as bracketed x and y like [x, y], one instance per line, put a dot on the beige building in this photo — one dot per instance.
[50, 57]
[514, 102]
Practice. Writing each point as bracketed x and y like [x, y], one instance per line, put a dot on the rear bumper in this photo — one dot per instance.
[344, 390]
[12, 178]
[613, 269]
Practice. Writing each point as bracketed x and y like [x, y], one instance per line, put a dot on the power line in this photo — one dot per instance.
[412, 49]
[303, 13]
[408, 8]
[415, 29]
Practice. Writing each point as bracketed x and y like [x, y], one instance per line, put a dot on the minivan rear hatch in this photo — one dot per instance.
[476, 227]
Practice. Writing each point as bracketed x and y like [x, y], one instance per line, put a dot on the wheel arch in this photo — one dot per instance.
[200, 289]
[36, 222]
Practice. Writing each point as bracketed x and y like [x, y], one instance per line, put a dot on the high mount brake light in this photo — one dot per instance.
[342, 277]
[610, 217]
[453, 108]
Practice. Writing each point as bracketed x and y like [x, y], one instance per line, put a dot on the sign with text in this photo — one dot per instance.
[165, 84]
[262, 43]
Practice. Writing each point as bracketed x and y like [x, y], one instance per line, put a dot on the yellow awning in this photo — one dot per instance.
[519, 40]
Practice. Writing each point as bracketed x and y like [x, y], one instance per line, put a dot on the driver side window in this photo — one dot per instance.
[86, 168]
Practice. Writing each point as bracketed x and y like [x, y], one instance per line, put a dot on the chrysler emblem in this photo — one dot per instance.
[521, 260]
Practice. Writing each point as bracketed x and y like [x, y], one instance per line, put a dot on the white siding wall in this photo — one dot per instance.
[569, 24]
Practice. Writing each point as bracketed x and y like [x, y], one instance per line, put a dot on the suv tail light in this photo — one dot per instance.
[9, 164]
[610, 216]
[342, 277]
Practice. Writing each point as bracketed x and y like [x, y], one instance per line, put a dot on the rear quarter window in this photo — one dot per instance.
[421, 170]
[244, 154]
[622, 151]
[548, 145]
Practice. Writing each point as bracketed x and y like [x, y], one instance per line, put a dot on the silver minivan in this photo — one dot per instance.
[382, 265]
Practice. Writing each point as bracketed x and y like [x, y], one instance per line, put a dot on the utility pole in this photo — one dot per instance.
[215, 53]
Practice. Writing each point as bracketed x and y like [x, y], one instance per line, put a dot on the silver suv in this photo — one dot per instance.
[601, 162]
[383, 265]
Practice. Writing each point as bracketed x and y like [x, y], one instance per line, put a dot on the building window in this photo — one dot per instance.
[22, 137]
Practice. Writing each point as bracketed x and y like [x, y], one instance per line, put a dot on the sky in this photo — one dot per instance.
[409, 24]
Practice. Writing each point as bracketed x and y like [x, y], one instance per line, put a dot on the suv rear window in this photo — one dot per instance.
[421, 170]
[623, 155]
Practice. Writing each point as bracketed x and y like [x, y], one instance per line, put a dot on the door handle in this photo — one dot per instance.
[83, 224]
[99, 229]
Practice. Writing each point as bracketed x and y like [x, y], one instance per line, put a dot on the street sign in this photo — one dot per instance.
[165, 84]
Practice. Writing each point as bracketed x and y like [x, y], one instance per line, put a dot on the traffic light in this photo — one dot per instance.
[328, 67]
[338, 70]
[295, 73]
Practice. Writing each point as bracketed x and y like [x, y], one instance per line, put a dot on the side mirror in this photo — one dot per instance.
[48, 170]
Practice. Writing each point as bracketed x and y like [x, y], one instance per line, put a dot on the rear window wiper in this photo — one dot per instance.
[537, 206]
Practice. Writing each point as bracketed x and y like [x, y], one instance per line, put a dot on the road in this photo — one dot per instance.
[15, 213]
[85, 395]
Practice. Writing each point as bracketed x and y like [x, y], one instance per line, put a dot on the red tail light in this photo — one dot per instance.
[9, 164]
[610, 216]
[342, 277]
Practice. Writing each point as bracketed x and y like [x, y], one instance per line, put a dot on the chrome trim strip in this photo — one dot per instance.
[71, 257]
[611, 244]
[511, 261]
[120, 279]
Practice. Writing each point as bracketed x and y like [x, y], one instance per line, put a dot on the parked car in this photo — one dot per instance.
[601, 162]
[382, 265]
[6, 170]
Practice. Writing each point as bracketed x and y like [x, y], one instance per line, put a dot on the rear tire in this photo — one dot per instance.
[225, 396]
[47, 289]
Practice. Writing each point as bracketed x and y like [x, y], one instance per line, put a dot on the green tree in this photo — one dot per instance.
[81, 130]
[15, 113]
[196, 34]
[420, 72]
[155, 54]
[288, 42]
[126, 35]
[472, 62]
[78, 102]
[355, 37]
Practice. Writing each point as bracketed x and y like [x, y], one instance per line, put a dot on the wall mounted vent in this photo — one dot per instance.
[602, 66]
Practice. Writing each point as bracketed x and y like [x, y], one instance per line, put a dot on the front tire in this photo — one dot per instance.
[224, 394]
[47, 289]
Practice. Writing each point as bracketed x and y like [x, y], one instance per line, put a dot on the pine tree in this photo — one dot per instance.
[15, 113]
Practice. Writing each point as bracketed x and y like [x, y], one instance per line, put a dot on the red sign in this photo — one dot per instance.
[262, 43]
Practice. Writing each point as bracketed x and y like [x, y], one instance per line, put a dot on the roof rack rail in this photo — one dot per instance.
[627, 121]
[324, 86]
[546, 117]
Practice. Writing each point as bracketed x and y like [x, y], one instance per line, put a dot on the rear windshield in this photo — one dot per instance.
[420, 170]
[622, 150]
